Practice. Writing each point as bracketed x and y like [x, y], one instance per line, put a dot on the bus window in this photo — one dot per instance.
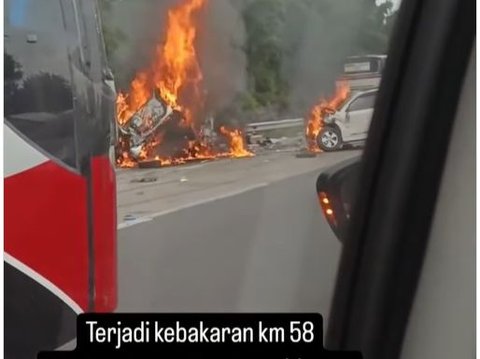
[38, 90]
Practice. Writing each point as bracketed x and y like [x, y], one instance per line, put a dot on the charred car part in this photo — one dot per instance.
[145, 123]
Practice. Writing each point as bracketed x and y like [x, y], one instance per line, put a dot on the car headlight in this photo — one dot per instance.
[329, 119]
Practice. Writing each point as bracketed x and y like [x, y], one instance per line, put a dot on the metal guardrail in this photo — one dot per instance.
[272, 125]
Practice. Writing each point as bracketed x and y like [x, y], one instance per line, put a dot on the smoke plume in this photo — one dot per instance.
[222, 58]
[319, 36]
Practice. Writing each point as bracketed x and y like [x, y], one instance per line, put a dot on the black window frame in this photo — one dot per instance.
[362, 98]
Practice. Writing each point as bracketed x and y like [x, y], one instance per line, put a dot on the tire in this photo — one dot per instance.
[329, 139]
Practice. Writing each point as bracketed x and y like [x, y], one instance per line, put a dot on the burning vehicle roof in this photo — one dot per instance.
[162, 115]
[148, 118]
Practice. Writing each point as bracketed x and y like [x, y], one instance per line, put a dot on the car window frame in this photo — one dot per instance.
[383, 252]
[362, 97]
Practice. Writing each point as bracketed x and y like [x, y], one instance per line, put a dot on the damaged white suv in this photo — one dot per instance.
[349, 124]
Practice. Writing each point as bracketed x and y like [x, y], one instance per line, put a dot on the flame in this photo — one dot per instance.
[125, 161]
[318, 112]
[236, 142]
[176, 69]
[122, 109]
[176, 76]
[128, 104]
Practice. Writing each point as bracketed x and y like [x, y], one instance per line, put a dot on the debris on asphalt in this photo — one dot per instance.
[149, 164]
[306, 154]
[184, 179]
[129, 217]
[144, 179]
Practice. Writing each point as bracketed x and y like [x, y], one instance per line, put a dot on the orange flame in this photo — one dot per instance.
[236, 142]
[176, 69]
[318, 112]
[177, 77]
[125, 161]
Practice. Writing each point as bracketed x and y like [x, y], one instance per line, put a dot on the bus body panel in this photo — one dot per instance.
[60, 201]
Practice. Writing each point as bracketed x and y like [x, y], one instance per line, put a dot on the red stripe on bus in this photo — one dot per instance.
[105, 234]
[46, 226]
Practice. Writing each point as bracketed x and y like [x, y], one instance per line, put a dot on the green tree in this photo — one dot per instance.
[274, 37]
[264, 23]
[377, 23]
[113, 37]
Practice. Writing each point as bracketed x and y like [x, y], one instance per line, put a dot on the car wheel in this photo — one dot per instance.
[329, 139]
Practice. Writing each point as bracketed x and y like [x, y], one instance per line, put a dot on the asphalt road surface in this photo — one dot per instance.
[228, 235]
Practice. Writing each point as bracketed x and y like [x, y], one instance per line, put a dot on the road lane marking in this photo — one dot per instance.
[189, 205]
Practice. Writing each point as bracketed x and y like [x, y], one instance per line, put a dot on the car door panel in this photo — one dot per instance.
[359, 122]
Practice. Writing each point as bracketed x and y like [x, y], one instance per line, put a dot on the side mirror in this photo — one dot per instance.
[347, 116]
[336, 190]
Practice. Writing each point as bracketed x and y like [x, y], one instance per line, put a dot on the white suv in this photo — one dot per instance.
[350, 123]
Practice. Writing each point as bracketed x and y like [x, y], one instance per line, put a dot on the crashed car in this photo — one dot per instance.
[154, 117]
[143, 125]
[349, 124]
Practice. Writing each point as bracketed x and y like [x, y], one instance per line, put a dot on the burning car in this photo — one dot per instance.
[349, 124]
[163, 116]
[146, 123]
[314, 123]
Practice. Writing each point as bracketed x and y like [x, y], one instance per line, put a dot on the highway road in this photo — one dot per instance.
[229, 235]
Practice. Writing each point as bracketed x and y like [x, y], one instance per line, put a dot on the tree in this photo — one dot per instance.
[42, 92]
[281, 52]
[264, 23]
[13, 74]
[112, 36]
[376, 28]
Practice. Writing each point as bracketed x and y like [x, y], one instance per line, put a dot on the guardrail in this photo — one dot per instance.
[272, 125]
